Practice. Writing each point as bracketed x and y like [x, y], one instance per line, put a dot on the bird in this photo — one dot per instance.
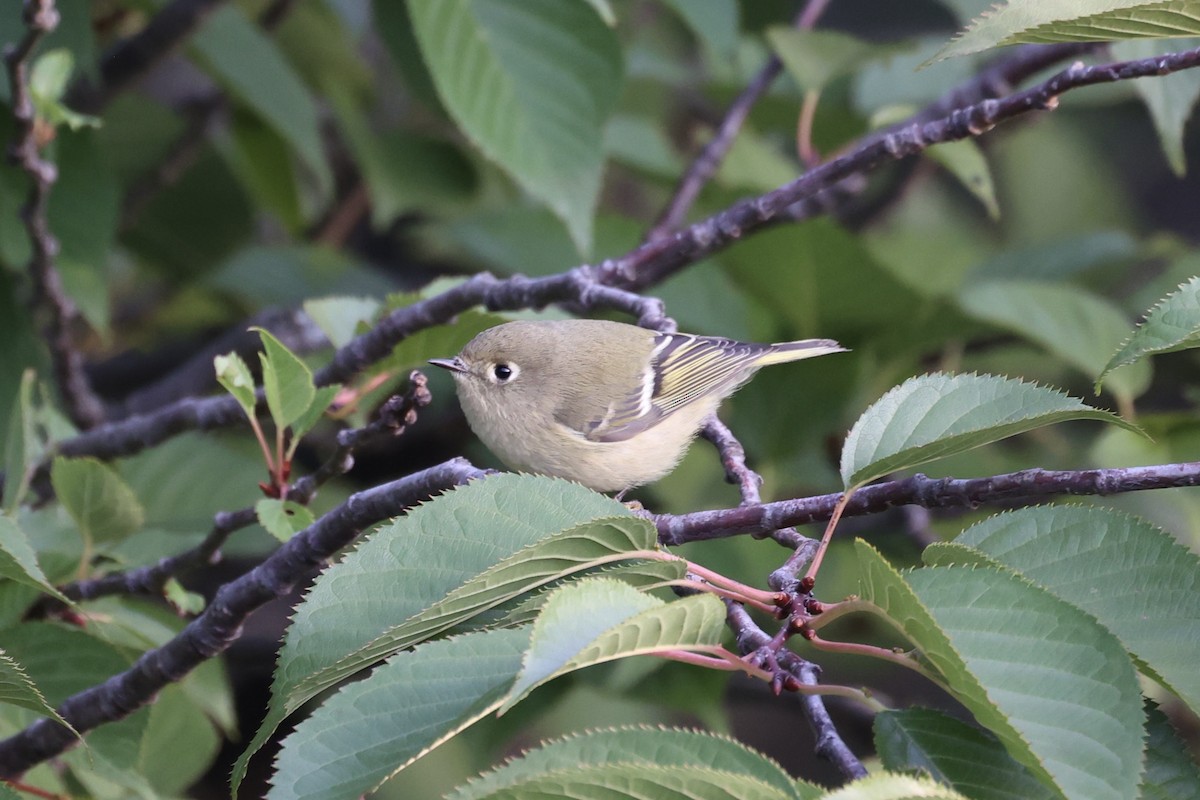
[606, 404]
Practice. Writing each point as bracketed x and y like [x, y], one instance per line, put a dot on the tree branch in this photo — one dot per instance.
[215, 629]
[130, 60]
[656, 260]
[830, 746]
[82, 405]
[1023, 486]
[607, 285]
[132, 435]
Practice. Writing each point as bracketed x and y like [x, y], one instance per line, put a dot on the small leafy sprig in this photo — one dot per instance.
[295, 404]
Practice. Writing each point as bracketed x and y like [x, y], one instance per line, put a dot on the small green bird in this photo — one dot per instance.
[609, 405]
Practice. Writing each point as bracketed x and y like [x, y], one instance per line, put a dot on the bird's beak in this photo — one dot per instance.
[453, 364]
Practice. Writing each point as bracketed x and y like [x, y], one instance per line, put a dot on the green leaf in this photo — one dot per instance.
[1028, 665]
[1151, 597]
[18, 561]
[283, 519]
[340, 317]
[889, 786]
[287, 381]
[22, 447]
[49, 75]
[1057, 260]
[234, 374]
[100, 502]
[1169, 772]
[589, 544]
[322, 398]
[181, 599]
[18, 690]
[1173, 324]
[412, 563]
[630, 747]
[375, 727]
[248, 64]
[1078, 327]
[641, 781]
[937, 415]
[1042, 21]
[715, 23]
[966, 162]
[814, 58]
[403, 170]
[264, 163]
[47, 84]
[954, 753]
[531, 83]
[1170, 99]
[602, 619]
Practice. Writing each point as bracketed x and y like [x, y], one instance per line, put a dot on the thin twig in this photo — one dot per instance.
[656, 260]
[1026, 486]
[130, 60]
[82, 404]
[749, 638]
[705, 165]
[217, 627]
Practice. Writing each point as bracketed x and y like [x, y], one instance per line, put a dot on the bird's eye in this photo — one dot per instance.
[503, 372]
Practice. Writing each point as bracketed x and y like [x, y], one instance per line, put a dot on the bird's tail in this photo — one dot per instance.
[782, 352]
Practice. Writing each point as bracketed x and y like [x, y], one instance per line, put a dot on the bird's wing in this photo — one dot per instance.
[682, 369]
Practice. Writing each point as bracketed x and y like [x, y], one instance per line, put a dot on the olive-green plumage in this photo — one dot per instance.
[606, 404]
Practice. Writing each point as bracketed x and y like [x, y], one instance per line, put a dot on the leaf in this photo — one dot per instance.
[1042, 21]
[373, 728]
[22, 447]
[889, 786]
[1169, 772]
[531, 83]
[181, 599]
[100, 502]
[412, 563]
[583, 547]
[1173, 324]
[1028, 665]
[715, 23]
[1057, 260]
[966, 162]
[957, 754]
[18, 561]
[1151, 583]
[601, 619]
[322, 399]
[937, 415]
[632, 746]
[283, 519]
[18, 690]
[641, 781]
[1170, 99]
[287, 381]
[49, 75]
[234, 375]
[339, 318]
[404, 171]
[814, 58]
[1079, 328]
[248, 64]
[48, 82]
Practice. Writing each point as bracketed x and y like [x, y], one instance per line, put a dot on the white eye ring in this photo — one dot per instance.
[503, 372]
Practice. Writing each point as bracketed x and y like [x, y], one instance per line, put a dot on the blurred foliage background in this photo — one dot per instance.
[288, 151]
